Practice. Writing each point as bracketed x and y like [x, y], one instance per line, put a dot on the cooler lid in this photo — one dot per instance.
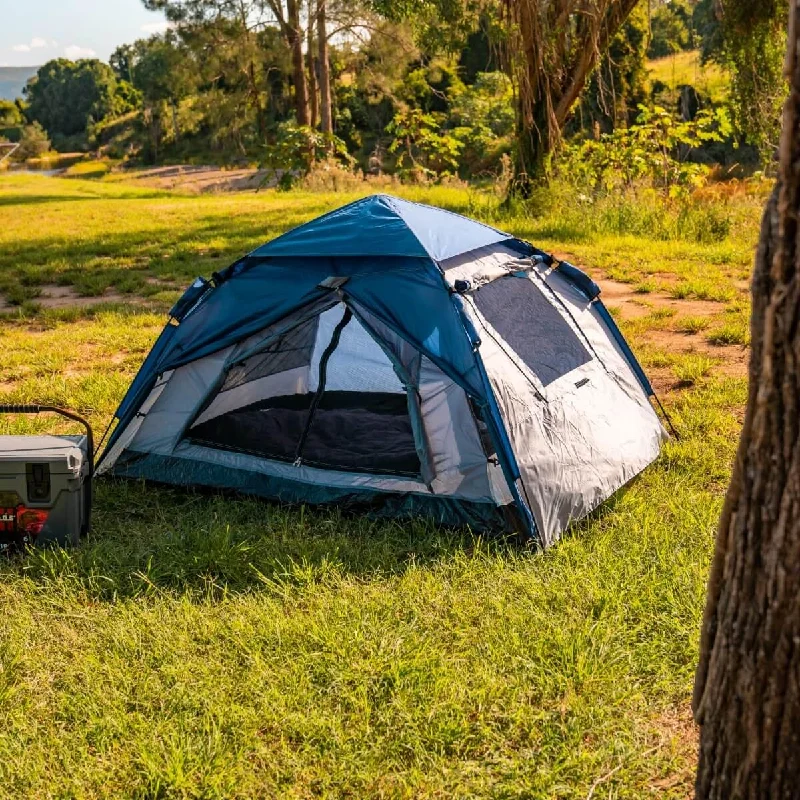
[64, 453]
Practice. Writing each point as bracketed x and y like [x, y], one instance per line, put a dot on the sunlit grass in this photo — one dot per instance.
[685, 68]
[205, 646]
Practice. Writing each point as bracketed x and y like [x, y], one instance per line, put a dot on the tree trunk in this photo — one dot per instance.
[255, 94]
[295, 35]
[175, 129]
[747, 689]
[313, 97]
[560, 43]
[326, 113]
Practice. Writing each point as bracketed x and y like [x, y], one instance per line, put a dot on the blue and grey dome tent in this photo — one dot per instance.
[399, 358]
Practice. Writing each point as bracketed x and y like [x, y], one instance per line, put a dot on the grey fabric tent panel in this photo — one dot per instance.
[533, 327]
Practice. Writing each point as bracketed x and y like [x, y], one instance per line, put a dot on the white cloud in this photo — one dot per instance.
[74, 51]
[36, 43]
[156, 27]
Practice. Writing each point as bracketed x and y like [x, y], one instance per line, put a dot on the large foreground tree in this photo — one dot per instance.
[747, 691]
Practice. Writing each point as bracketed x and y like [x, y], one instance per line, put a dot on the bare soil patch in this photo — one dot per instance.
[53, 296]
[638, 304]
[679, 734]
[201, 180]
[632, 306]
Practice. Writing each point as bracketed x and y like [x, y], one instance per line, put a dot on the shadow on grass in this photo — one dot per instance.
[150, 540]
[122, 260]
[35, 199]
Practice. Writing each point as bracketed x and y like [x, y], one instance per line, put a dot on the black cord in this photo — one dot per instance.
[667, 418]
[323, 375]
[103, 437]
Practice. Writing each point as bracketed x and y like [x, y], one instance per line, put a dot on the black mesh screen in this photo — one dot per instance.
[532, 326]
[363, 431]
[354, 431]
[292, 349]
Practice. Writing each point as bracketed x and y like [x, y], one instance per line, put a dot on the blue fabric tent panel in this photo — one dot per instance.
[366, 227]
[381, 225]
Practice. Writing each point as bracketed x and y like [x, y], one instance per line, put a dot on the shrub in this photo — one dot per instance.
[34, 142]
[295, 151]
[654, 151]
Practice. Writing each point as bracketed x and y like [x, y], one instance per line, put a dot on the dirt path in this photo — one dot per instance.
[629, 306]
[201, 180]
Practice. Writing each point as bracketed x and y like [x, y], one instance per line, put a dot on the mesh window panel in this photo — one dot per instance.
[353, 431]
[532, 327]
[292, 349]
[358, 363]
[362, 432]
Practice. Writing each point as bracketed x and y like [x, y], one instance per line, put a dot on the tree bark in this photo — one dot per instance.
[326, 112]
[175, 130]
[313, 97]
[747, 689]
[295, 36]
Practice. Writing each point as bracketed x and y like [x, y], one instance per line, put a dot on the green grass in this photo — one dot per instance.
[693, 368]
[201, 646]
[692, 323]
[685, 68]
[106, 235]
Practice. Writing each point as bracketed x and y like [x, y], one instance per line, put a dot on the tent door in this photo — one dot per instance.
[323, 372]
[324, 393]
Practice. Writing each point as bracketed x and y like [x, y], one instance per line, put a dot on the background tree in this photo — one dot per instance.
[64, 95]
[326, 109]
[558, 45]
[747, 38]
[10, 114]
[164, 72]
[747, 691]
[246, 18]
[33, 143]
[618, 84]
[671, 28]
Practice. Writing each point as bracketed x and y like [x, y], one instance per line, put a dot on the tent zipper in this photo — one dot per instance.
[323, 374]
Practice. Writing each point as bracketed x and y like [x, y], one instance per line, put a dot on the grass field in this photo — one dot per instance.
[210, 647]
[685, 68]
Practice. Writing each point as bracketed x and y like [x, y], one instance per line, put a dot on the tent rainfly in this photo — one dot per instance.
[401, 359]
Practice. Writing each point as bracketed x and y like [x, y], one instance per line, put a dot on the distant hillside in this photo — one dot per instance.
[13, 79]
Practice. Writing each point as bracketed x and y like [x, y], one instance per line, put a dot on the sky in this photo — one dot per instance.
[34, 31]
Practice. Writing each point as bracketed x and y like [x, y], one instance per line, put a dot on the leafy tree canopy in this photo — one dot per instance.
[748, 38]
[65, 95]
[671, 29]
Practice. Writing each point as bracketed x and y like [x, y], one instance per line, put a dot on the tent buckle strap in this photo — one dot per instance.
[298, 462]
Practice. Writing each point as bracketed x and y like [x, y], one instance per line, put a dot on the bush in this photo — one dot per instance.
[654, 151]
[33, 143]
[297, 149]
